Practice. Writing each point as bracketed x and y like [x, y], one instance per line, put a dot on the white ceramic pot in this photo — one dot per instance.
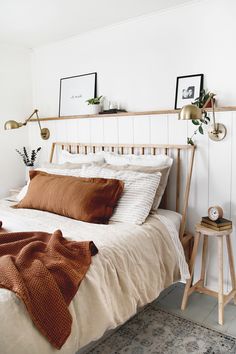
[94, 108]
[27, 169]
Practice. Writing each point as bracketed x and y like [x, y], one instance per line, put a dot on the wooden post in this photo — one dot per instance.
[191, 269]
[220, 281]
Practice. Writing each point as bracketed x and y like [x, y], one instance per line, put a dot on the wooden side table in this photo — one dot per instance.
[223, 299]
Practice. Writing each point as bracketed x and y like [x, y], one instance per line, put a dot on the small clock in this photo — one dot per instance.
[215, 213]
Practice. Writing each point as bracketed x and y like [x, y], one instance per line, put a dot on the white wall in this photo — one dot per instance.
[137, 64]
[16, 104]
[138, 61]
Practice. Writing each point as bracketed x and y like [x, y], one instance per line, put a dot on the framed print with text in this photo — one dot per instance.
[74, 91]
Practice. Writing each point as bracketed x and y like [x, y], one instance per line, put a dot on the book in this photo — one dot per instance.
[212, 227]
[218, 223]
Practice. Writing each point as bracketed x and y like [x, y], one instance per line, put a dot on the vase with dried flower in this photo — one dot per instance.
[28, 158]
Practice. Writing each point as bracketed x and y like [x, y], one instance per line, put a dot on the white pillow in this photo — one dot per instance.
[139, 160]
[22, 192]
[139, 191]
[66, 156]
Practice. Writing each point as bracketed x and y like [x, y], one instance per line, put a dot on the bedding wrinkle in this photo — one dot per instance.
[134, 264]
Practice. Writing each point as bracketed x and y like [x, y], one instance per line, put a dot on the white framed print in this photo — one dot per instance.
[74, 91]
[188, 88]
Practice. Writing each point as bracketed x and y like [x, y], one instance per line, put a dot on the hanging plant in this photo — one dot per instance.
[199, 123]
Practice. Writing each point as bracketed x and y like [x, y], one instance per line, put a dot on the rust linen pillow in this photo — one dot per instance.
[86, 199]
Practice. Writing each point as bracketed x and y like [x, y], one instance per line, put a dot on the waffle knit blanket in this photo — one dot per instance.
[45, 271]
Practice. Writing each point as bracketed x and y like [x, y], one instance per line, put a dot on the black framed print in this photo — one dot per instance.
[74, 91]
[188, 88]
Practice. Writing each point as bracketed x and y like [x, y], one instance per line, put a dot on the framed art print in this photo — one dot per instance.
[74, 91]
[188, 88]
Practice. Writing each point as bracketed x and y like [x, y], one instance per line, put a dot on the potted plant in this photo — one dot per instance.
[28, 158]
[201, 102]
[94, 104]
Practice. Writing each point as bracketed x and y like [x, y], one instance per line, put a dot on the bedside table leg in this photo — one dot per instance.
[221, 282]
[231, 264]
[204, 256]
[191, 269]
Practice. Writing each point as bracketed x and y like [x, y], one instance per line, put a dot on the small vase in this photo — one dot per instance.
[94, 108]
[28, 168]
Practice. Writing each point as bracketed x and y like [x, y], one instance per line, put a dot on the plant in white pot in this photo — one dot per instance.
[94, 105]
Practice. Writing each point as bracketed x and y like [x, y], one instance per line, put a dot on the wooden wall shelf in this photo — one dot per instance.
[127, 114]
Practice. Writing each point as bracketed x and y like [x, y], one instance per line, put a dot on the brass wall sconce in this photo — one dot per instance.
[217, 131]
[12, 124]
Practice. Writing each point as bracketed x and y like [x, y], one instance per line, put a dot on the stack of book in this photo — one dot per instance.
[218, 225]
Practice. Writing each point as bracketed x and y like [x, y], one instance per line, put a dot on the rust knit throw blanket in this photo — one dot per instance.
[45, 271]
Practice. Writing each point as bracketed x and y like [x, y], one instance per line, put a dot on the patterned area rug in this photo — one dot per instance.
[155, 331]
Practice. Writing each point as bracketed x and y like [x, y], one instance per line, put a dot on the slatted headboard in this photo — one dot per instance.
[179, 180]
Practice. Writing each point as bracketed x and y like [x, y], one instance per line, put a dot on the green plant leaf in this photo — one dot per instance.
[195, 122]
[200, 129]
[201, 100]
[95, 100]
[190, 141]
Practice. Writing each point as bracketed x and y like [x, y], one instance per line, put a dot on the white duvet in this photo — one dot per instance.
[134, 264]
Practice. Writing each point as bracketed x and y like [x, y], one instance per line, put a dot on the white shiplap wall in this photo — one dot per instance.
[214, 172]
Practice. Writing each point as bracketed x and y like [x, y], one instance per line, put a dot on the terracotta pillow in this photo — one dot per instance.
[86, 199]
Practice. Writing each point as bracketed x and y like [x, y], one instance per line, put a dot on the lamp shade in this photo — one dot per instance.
[12, 124]
[190, 111]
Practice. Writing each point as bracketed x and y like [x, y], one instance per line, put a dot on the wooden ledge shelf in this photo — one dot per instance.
[127, 114]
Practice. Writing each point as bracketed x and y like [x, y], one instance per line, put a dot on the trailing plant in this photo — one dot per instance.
[96, 100]
[28, 158]
[199, 123]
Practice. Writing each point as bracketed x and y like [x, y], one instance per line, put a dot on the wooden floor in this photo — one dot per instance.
[201, 309]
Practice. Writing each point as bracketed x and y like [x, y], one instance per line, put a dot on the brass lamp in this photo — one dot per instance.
[217, 131]
[12, 124]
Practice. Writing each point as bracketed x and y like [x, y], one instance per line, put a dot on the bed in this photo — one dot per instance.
[135, 262]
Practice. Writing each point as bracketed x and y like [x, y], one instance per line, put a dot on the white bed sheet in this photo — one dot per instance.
[174, 217]
[134, 264]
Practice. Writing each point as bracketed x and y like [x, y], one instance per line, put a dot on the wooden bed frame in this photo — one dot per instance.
[177, 152]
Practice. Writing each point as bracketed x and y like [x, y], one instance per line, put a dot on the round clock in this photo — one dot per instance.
[215, 213]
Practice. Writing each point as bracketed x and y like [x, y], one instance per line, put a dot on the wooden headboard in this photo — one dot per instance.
[179, 180]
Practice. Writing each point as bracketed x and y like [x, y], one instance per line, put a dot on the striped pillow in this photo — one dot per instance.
[139, 191]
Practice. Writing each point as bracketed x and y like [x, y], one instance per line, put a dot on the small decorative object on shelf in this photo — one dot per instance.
[94, 104]
[112, 111]
[28, 159]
